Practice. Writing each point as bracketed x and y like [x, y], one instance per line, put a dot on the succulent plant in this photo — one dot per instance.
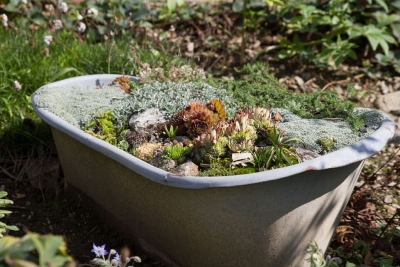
[176, 152]
[241, 134]
[194, 119]
[239, 143]
[211, 145]
[220, 148]
[262, 156]
[278, 152]
[207, 146]
[198, 122]
[171, 132]
[216, 106]
[260, 117]
[206, 139]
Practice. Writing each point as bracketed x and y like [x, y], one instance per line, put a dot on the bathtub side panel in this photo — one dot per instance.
[264, 224]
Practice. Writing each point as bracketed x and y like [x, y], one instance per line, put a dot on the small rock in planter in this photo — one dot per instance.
[140, 122]
[160, 162]
[242, 158]
[305, 154]
[186, 169]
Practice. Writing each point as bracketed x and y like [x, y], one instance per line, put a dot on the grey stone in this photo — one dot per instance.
[384, 88]
[305, 154]
[139, 122]
[186, 169]
[389, 103]
[388, 199]
[160, 162]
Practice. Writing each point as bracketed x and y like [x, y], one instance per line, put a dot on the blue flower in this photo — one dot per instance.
[99, 250]
[116, 258]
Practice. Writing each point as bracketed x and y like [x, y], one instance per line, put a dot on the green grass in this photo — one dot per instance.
[22, 59]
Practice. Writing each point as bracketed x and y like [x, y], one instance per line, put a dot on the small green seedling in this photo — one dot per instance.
[171, 132]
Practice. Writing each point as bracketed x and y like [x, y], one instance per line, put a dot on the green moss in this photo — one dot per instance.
[244, 170]
[216, 172]
[218, 167]
[103, 128]
[256, 87]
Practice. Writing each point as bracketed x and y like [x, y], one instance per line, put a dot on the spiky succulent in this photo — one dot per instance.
[209, 145]
[176, 152]
[241, 125]
[206, 139]
[239, 143]
[279, 150]
[260, 117]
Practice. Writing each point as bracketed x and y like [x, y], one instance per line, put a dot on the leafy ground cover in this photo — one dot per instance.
[308, 45]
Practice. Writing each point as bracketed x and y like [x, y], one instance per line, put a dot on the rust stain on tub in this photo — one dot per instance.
[311, 168]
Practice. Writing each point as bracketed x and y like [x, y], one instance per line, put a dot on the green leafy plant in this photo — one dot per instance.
[3, 203]
[327, 33]
[34, 250]
[261, 157]
[176, 152]
[278, 151]
[316, 258]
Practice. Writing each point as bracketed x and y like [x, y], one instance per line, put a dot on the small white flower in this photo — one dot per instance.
[63, 7]
[24, 2]
[79, 17]
[17, 86]
[58, 24]
[48, 39]
[93, 12]
[4, 19]
[172, 28]
[81, 27]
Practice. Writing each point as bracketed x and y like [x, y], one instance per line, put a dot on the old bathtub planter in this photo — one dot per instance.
[259, 219]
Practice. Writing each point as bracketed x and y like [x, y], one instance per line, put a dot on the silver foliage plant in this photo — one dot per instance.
[169, 98]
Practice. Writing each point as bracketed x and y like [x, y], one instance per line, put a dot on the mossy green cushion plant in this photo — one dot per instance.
[256, 87]
[176, 152]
